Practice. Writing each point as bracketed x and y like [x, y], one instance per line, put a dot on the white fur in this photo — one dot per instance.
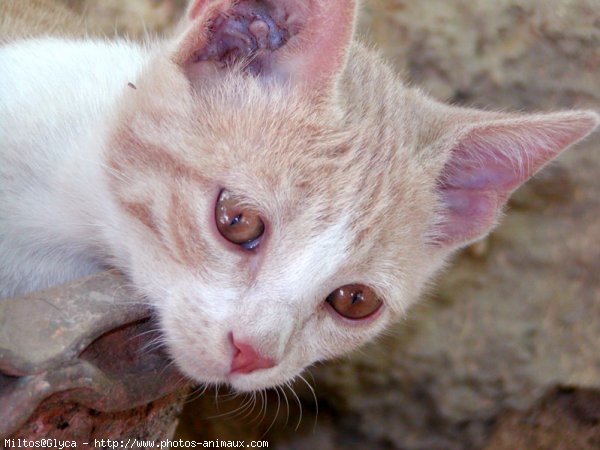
[56, 101]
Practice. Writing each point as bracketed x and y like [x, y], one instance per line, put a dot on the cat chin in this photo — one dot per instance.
[256, 381]
[250, 383]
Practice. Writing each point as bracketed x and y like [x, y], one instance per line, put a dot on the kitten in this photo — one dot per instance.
[262, 177]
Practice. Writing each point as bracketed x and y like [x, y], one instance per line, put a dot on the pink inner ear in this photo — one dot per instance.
[491, 160]
[468, 212]
[288, 40]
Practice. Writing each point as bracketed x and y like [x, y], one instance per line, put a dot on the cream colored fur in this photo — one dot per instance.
[112, 153]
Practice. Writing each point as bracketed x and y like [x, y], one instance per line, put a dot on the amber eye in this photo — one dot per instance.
[354, 301]
[237, 223]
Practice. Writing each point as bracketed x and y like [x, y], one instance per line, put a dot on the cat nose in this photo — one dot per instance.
[246, 359]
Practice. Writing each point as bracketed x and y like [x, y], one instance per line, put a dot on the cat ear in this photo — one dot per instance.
[298, 41]
[489, 160]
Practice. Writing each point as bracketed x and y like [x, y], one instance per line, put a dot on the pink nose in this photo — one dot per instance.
[246, 359]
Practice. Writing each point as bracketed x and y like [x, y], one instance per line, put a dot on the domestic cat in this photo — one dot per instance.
[262, 177]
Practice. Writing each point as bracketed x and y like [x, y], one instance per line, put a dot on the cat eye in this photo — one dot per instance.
[354, 301]
[237, 223]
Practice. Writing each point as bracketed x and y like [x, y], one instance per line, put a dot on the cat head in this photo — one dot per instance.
[283, 197]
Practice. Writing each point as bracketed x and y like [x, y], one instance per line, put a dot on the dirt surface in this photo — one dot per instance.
[565, 419]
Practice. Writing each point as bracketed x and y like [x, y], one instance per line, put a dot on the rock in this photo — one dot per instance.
[75, 364]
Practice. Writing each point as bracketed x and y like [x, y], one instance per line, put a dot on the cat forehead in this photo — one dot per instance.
[275, 129]
[242, 119]
[362, 231]
[295, 162]
[305, 168]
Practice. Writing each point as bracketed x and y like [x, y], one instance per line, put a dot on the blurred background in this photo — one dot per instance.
[504, 353]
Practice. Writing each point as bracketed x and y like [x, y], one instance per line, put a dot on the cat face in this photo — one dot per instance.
[332, 217]
[355, 187]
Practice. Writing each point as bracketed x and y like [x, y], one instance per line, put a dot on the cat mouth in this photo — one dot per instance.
[255, 381]
[248, 33]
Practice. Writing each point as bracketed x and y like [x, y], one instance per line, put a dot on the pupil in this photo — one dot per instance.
[235, 220]
[356, 297]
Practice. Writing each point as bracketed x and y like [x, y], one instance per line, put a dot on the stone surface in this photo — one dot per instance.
[80, 362]
[61, 419]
